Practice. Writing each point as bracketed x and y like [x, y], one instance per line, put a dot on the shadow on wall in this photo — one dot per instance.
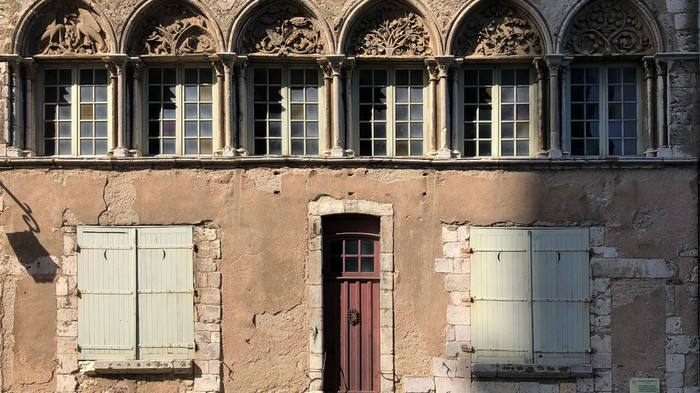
[33, 257]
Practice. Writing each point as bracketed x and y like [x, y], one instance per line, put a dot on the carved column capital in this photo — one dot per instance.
[649, 67]
[138, 67]
[554, 64]
[242, 64]
[30, 68]
[336, 63]
[661, 67]
[540, 68]
[325, 68]
[432, 66]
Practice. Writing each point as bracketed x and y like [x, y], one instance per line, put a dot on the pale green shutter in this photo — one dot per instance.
[106, 298]
[560, 289]
[501, 312]
[165, 293]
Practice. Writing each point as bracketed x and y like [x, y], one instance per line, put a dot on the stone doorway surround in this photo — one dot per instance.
[327, 206]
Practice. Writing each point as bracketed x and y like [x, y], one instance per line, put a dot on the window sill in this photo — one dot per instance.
[182, 366]
[486, 370]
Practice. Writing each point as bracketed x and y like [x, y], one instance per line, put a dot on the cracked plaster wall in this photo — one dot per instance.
[262, 216]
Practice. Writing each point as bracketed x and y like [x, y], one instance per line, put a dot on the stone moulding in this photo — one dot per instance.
[282, 29]
[174, 30]
[390, 29]
[498, 31]
[68, 29]
[609, 28]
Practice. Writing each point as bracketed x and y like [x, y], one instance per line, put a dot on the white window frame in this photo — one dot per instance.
[75, 108]
[286, 105]
[180, 109]
[603, 110]
[496, 110]
[391, 106]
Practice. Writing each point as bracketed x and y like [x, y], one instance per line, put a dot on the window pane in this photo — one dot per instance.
[367, 265]
[351, 264]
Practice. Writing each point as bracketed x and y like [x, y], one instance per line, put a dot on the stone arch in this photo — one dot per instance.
[369, 25]
[63, 27]
[605, 27]
[281, 28]
[180, 27]
[510, 28]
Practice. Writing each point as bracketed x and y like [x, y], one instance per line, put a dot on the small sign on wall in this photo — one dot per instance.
[644, 385]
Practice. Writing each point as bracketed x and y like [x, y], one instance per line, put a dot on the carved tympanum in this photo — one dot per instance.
[608, 28]
[68, 29]
[174, 29]
[498, 30]
[390, 29]
[282, 29]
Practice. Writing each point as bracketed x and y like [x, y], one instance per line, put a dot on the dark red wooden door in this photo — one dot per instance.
[351, 313]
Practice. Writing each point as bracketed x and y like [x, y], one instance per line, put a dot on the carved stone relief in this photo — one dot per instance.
[68, 29]
[390, 29]
[173, 29]
[498, 31]
[282, 29]
[608, 28]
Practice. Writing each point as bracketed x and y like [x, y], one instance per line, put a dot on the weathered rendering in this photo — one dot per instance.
[364, 196]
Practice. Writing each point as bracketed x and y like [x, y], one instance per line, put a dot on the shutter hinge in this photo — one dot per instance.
[468, 348]
[76, 248]
[77, 347]
[78, 293]
[469, 299]
[587, 300]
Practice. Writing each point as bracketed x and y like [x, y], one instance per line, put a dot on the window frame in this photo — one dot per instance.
[391, 69]
[286, 119]
[180, 109]
[603, 118]
[496, 110]
[40, 140]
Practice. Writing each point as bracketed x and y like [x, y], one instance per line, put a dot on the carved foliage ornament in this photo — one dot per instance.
[174, 29]
[498, 31]
[70, 29]
[390, 29]
[282, 29]
[606, 28]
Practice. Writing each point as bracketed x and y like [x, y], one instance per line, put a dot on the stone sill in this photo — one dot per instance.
[524, 371]
[342, 162]
[183, 366]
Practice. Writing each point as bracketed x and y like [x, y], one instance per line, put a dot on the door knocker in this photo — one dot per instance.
[354, 317]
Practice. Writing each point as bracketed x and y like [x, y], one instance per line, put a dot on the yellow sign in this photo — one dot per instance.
[644, 385]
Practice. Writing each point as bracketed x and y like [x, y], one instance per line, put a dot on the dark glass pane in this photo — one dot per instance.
[168, 128]
[507, 130]
[470, 113]
[154, 75]
[311, 77]
[351, 247]
[100, 77]
[191, 76]
[275, 146]
[592, 75]
[416, 130]
[470, 77]
[507, 112]
[49, 112]
[49, 130]
[485, 77]
[351, 264]
[401, 112]
[365, 130]
[484, 95]
[470, 131]
[154, 146]
[630, 129]
[629, 93]
[379, 112]
[416, 77]
[153, 128]
[275, 75]
[380, 77]
[260, 111]
[260, 93]
[470, 94]
[379, 95]
[592, 148]
[260, 75]
[523, 112]
[484, 149]
[484, 112]
[577, 93]
[169, 93]
[577, 129]
[297, 129]
[260, 129]
[153, 93]
[402, 77]
[380, 148]
[367, 265]
[615, 129]
[64, 77]
[366, 148]
[50, 94]
[86, 77]
[577, 75]
[154, 111]
[592, 93]
[507, 148]
[402, 148]
[261, 146]
[469, 149]
[416, 148]
[366, 94]
[50, 77]
[485, 130]
[297, 147]
[296, 77]
[380, 130]
[614, 75]
[615, 147]
[615, 93]
[275, 111]
[402, 130]
[630, 147]
[577, 111]
[275, 129]
[577, 147]
[629, 111]
[365, 77]
[312, 146]
[365, 112]
[275, 94]
[522, 148]
[507, 77]
[629, 75]
[591, 111]
[168, 76]
[522, 77]
[592, 130]
[50, 148]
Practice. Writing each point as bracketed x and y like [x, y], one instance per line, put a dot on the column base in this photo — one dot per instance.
[664, 151]
[445, 153]
[121, 151]
[338, 151]
[555, 153]
[228, 152]
[13, 151]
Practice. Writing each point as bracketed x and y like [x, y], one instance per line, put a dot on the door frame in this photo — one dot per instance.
[314, 266]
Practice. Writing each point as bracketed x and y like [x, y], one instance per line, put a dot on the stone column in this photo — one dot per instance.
[326, 142]
[336, 63]
[661, 115]
[227, 104]
[16, 142]
[219, 116]
[119, 106]
[541, 72]
[443, 102]
[240, 139]
[349, 115]
[29, 134]
[432, 67]
[564, 114]
[456, 75]
[650, 135]
[137, 108]
[554, 64]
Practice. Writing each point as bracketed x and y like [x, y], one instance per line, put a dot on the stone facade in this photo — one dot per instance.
[258, 219]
